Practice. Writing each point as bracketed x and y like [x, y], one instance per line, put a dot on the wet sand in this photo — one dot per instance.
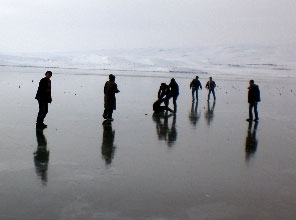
[205, 162]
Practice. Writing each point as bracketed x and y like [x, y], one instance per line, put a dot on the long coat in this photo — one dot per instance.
[110, 89]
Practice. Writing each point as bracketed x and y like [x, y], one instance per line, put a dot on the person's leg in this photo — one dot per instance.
[175, 103]
[213, 91]
[110, 113]
[251, 105]
[42, 112]
[193, 91]
[256, 112]
[209, 95]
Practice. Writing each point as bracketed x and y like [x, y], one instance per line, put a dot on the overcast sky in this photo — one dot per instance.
[69, 25]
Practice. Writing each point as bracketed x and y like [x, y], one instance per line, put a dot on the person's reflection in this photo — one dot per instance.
[194, 115]
[41, 156]
[251, 141]
[164, 131]
[108, 148]
[209, 114]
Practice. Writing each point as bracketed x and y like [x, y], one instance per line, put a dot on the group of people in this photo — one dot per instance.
[165, 93]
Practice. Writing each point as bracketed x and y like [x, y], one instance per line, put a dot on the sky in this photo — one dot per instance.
[81, 25]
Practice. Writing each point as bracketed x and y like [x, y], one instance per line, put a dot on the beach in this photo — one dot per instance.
[205, 162]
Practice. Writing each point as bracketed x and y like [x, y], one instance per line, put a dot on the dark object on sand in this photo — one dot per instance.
[174, 93]
[110, 89]
[43, 96]
[211, 85]
[195, 85]
[253, 99]
[157, 108]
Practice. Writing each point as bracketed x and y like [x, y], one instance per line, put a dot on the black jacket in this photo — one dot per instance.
[195, 84]
[211, 85]
[254, 94]
[44, 90]
[174, 88]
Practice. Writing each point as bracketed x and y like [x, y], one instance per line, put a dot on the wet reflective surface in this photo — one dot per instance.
[205, 162]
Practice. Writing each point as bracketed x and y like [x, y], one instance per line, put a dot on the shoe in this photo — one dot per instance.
[44, 125]
[110, 119]
[104, 116]
[248, 120]
[256, 119]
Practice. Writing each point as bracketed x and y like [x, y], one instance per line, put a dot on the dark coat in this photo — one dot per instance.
[44, 90]
[195, 84]
[174, 88]
[164, 91]
[211, 85]
[110, 89]
[254, 94]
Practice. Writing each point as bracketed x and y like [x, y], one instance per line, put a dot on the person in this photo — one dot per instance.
[253, 99]
[43, 96]
[110, 89]
[157, 108]
[174, 93]
[163, 91]
[211, 85]
[195, 85]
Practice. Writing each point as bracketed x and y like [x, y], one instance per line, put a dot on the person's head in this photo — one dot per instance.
[252, 82]
[196, 77]
[210, 78]
[112, 77]
[162, 85]
[48, 74]
[173, 80]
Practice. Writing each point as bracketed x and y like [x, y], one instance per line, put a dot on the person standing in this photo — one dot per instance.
[211, 85]
[43, 96]
[174, 92]
[110, 89]
[195, 85]
[253, 99]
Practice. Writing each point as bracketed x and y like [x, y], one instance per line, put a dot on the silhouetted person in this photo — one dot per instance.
[158, 108]
[211, 85]
[108, 148]
[44, 97]
[163, 91]
[110, 89]
[194, 116]
[253, 99]
[251, 141]
[209, 114]
[174, 92]
[41, 156]
[195, 85]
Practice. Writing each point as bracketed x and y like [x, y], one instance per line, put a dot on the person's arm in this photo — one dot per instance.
[191, 84]
[258, 99]
[159, 93]
[200, 85]
[207, 85]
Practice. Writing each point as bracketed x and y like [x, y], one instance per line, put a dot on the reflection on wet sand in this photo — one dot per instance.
[209, 114]
[251, 141]
[41, 156]
[164, 132]
[194, 115]
[108, 148]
